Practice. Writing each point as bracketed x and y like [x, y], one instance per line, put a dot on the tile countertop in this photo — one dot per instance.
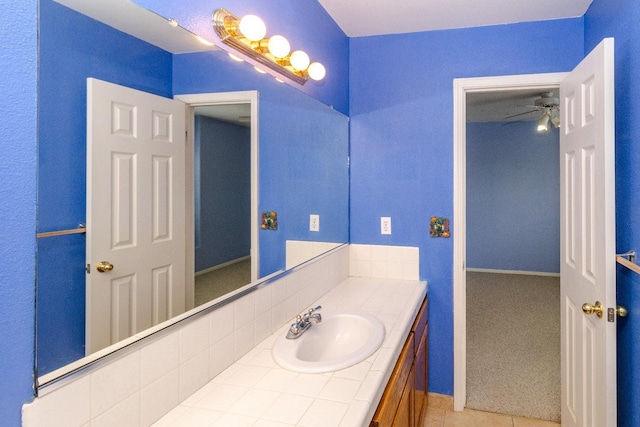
[255, 391]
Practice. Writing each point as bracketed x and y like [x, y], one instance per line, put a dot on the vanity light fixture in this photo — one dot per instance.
[248, 36]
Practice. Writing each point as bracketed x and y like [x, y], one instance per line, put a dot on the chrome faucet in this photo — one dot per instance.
[303, 322]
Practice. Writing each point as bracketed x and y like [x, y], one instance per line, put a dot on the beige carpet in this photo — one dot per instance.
[513, 344]
[218, 282]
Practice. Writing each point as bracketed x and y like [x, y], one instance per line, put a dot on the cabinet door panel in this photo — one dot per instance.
[385, 414]
[405, 415]
[421, 377]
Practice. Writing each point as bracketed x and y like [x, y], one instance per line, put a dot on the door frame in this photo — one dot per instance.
[219, 98]
[460, 89]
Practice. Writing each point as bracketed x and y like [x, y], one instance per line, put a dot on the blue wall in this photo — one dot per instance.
[513, 197]
[304, 23]
[70, 53]
[619, 19]
[223, 220]
[303, 154]
[18, 85]
[402, 140]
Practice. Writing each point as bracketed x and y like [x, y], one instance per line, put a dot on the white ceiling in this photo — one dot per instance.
[130, 18]
[503, 106]
[364, 18]
[359, 18]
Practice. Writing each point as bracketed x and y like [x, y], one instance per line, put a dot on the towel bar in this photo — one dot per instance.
[628, 260]
[80, 230]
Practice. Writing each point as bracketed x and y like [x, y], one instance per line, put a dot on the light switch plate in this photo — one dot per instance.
[385, 225]
[314, 222]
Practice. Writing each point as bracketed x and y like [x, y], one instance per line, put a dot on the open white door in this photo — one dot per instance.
[135, 212]
[587, 243]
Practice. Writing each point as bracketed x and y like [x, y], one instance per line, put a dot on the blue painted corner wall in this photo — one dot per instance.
[401, 140]
[18, 133]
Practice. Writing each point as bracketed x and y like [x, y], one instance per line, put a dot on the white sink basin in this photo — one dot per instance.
[339, 341]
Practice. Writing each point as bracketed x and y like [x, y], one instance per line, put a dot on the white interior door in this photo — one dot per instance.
[135, 212]
[587, 242]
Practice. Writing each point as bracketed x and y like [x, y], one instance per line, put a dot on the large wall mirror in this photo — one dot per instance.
[300, 165]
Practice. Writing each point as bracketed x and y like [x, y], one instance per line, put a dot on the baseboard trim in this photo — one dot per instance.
[440, 401]
[526, 273]
[223, 265]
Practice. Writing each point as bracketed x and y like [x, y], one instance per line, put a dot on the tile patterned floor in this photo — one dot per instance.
[440, 414]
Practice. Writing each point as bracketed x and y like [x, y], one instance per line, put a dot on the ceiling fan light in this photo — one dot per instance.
[555, 121]
[543, 123]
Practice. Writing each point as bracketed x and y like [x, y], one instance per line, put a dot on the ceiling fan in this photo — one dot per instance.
[550, 108]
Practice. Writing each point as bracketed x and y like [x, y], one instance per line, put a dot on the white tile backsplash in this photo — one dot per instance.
[125, 413]
[158, 396]
[114, 383]
[66, 406]
[194, 373]
[385, 262]
[194, 338]
[148, 380]
[159, 358]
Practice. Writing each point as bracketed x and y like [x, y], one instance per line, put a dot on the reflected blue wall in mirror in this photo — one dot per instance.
[74, 47]
[222, 192]
[70, 53]
[305, 24]
[302, 142]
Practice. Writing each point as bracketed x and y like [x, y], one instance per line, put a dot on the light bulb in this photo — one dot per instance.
[299, 60]
[253, 28]
[279, 46]
[543, 123]
[316, 71]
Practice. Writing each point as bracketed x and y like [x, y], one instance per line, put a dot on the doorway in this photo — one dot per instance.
[194, 101]
[462, 87]
[513, 255]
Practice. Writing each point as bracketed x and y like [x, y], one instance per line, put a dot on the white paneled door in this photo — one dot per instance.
[587, 267]
[135, 212]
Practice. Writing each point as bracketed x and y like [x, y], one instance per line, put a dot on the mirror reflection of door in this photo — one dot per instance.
[222, 211]
[135, 212]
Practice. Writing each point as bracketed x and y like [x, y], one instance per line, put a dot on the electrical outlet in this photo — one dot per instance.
[385, 225]
[314, 222]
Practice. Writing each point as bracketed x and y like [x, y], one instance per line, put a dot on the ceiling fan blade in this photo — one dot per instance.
[521, 114]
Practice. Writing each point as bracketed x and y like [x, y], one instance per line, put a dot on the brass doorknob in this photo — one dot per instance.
[104, 266]
[590, 309]
[621, 311]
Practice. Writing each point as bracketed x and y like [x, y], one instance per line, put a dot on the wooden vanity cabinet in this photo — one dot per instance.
[404, 400]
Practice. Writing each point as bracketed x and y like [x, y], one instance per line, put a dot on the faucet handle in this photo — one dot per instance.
[311, 310]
